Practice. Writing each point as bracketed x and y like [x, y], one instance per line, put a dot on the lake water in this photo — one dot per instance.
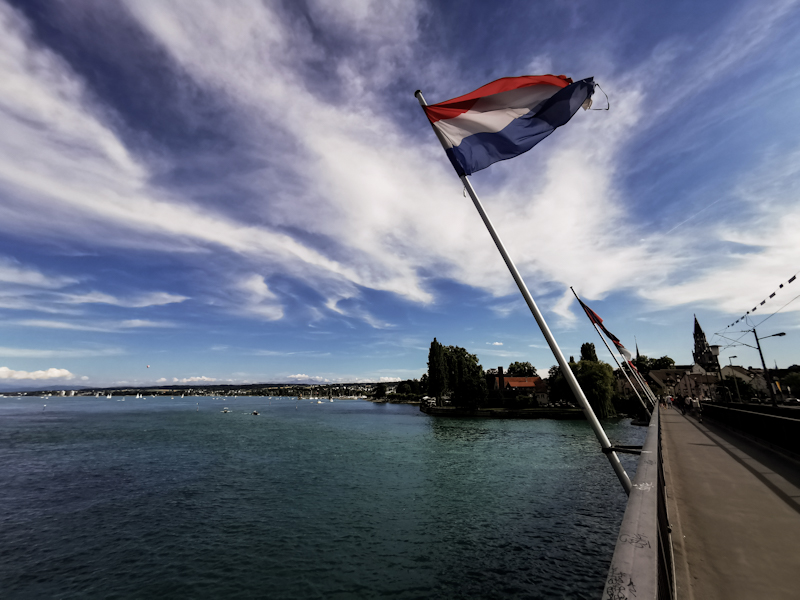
[172, 498]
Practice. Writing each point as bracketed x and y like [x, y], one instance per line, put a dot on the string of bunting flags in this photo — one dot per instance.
[763, 302]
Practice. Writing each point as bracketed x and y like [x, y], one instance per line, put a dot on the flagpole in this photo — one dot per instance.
[644, 387]
[619, 366]
[641, 379]
[568, 374]
[642, 383]
[638, 376]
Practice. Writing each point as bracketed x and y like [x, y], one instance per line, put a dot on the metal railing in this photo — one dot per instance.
[776, 430]
[643, 565]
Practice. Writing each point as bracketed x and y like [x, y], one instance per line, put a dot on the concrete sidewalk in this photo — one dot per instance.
[735, 514]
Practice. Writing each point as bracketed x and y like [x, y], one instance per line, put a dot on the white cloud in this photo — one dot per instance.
[289, 353]
[99, 326]
[99, 190]
[259, 300]
[64, 353]
[52, 373]
[12, 272]
[766, 242]
[495, 343]
[389, 379]
[303, 378]
[571, 229]
[135, 301]
[139, 323]
[201, 378]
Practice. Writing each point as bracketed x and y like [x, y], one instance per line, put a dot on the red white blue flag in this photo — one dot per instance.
[505, 118]
[595, 318]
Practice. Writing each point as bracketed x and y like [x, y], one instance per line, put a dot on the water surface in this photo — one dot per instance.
[163, 497]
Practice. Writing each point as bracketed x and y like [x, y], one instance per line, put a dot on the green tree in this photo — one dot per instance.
[465, 378]
[597, 382]
[596, 379]
[558, 388]
[380, 391]
[665, 362]
[521, 369]
[792, 381]
[423, 384]
[588, 352]
[437, 370]
[452, 370]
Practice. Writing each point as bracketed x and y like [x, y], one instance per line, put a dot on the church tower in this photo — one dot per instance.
[702, 354]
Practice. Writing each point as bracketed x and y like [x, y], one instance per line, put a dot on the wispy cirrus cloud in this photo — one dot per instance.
[12, 272]
[10, 352]
[100, 326]
[300, 184]
[138, 300]
[289, 353]
[248, 59]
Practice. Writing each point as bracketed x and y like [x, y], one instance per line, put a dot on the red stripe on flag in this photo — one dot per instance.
[457, 106]
[593, 316]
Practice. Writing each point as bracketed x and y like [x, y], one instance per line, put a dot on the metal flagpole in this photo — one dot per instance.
[619, 366]
[608, 450]
[645, 388]
[643, 384]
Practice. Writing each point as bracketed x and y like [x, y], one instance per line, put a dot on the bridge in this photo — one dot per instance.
[715, 512]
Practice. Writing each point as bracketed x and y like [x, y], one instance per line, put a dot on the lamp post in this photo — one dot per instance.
[763, 364]
[736, 383]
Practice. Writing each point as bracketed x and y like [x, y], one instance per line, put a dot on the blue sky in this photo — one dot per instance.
[249, 192]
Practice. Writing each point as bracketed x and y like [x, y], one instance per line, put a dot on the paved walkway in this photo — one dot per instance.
[735, 514]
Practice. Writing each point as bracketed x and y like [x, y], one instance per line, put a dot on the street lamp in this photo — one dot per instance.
[763, 364]
[733, 374]
[715, 354]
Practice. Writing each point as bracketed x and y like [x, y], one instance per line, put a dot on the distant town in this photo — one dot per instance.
[340, 390]
[454, 378]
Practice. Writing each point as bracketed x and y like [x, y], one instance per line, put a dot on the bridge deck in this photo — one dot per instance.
[735, 514]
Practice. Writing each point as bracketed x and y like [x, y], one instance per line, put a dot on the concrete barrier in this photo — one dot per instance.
[643, 565]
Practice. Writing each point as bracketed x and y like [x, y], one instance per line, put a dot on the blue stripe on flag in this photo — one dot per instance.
[480, 150]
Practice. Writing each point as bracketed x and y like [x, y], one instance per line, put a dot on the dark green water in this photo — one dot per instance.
[155, 499]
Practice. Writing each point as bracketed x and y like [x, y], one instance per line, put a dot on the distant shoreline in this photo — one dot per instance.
[564, 414]
[390, 401]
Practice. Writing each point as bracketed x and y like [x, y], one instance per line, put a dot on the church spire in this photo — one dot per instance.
[702, 351]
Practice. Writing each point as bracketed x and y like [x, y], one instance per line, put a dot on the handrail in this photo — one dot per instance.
[642, 566]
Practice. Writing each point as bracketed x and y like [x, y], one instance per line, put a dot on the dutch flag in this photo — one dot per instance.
[505, 118]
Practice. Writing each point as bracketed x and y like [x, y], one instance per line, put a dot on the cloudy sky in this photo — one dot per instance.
[248, 192]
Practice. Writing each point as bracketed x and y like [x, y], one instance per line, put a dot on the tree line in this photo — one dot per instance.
[456, 374]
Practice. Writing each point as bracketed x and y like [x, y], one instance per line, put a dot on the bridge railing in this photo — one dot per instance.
[643, 565]
[777, 430]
